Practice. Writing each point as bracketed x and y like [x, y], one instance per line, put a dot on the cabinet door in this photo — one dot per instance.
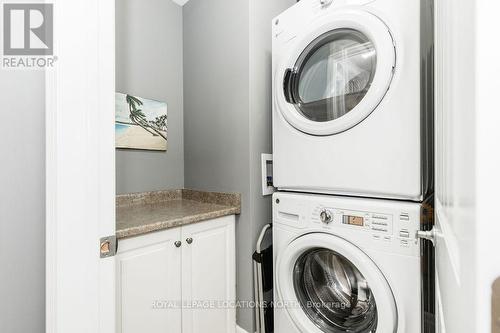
[149, 283]
[208, 276]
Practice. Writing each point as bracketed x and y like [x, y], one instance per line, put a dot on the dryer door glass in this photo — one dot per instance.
[333, 293]
[332, 75]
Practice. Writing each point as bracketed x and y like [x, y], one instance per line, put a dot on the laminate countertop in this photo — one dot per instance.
[142, 213]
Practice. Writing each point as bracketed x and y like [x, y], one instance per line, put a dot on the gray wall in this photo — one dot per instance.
[227, 113]
[261, 14]
[216, 114]
[260, 107]
[22, 202]
[149, 64]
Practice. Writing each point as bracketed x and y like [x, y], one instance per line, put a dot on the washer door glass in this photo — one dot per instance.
[333, 293]
[332, 75]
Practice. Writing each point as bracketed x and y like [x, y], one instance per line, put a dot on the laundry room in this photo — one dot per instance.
[241, 166]
[199, 178]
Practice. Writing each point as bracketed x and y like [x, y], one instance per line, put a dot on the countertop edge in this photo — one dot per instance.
[220, 198]
[174, 223]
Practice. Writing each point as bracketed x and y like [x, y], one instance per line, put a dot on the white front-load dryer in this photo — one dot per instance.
[346, 265]
[352, 98]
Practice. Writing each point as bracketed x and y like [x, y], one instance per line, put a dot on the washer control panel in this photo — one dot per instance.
[377, 223]
[398, 227]
[385, 225]
[369, 221]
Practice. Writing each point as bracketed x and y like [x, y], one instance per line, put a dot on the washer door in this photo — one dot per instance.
[328, 285]
[337, 73]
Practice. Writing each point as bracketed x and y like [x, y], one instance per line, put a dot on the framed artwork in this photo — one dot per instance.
[140, 123]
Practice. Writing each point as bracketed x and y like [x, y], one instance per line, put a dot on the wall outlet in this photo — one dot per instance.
[267, 174]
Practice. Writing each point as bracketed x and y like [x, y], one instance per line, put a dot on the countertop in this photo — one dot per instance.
[141, 213]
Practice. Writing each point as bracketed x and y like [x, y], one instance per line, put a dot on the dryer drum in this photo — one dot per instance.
[333, 293]
[332, 75]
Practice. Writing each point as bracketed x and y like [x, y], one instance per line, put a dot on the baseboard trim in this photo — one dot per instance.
[240, 330]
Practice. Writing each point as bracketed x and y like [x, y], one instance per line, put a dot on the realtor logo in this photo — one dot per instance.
[28, 36]
[28, 29]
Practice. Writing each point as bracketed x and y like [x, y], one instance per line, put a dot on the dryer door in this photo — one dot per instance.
[328, 285]
[337, 73]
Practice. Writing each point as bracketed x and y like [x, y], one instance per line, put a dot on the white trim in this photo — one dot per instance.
[446, 235]
[467, 162]
[440, 325]
[487, 76]
[240, 330]
[80, 171]
[180, 2]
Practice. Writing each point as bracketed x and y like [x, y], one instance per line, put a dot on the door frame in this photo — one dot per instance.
[487, 157]
[80, 168]
[467, 164]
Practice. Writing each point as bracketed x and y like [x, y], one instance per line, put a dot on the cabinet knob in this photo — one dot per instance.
[189, 240]
[178, 244]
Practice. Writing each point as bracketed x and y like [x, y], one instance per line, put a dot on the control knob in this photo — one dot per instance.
[325, 216]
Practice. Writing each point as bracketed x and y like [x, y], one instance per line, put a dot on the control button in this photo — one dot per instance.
[380, 223]
[376, 237]
[404, 243]
[387, 238]
[404, 217]
[379, 229]
[325, 216]
[380, 217]
[404, 234]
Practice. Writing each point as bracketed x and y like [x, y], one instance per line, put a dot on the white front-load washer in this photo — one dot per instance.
[346, 265]
[352, 98]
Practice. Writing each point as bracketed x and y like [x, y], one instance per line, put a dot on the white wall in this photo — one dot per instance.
[22, 202]
[149, 60]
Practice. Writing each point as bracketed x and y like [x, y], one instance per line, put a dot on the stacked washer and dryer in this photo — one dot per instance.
[353, 152]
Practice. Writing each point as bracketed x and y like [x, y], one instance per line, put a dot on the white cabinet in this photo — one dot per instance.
[208, 277]
[148, 273]
[164, 287]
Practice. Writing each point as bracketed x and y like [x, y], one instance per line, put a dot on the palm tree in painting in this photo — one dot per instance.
[138, 117]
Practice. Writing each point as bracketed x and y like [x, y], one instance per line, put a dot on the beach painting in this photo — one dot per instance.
[140, 123]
